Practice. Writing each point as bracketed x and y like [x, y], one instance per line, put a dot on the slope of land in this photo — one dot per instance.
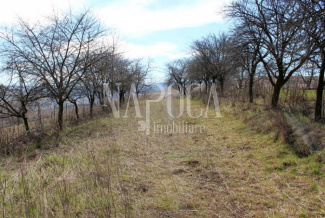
[106, 167]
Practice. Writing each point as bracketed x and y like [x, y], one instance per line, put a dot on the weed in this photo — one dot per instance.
[106, 168]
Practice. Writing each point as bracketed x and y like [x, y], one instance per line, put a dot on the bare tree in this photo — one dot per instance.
[314, 25]
[91, 85]
[178, 75]
[118, 75]
[19, 94]
[240, 76]
[246, 48]
[59, 52]
[76, 94]
[214, 55]
[139, 74]
[107, 70]
[123, 78]
[278, 26]
[307, 73]
[197, 74]
[92, 81]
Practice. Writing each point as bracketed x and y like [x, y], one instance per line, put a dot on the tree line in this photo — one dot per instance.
[280, 38]
[64, 58]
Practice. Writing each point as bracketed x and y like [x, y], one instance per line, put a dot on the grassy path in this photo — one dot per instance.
[106, 167]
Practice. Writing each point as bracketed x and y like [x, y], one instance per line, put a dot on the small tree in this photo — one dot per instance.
[123, 78]
[139, 74]
[76, 94]
[19, 94]
[178, 75]
[197, 74]
[215, 56]
[308, 73]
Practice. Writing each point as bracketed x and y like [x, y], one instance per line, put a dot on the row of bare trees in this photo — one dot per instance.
[282, 38]
[213, 61]
[65, 57]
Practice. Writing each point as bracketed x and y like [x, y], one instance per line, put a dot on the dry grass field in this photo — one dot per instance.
[107, 168]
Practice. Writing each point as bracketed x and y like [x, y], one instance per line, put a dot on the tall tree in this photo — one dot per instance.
[59, 51]
[246, 46]
[314, 25]
[277, 23]
[95, 76]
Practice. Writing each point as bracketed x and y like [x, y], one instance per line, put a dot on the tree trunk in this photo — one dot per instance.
[276, 95]
[319, 93]
[23, 115]
[26, 123]
[206, 86]
[309, 84]
[60, 115]
[91, 108]
[76, 110]
[121, 97]
[250, 91]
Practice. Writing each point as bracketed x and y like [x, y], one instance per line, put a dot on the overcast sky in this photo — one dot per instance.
[161, 30]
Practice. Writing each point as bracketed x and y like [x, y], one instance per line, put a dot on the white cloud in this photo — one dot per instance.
[33, 10]
[144, 51]
[131, 18]
[134, 17]
[161, 49]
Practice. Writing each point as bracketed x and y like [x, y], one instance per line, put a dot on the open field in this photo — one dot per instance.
[106, 167]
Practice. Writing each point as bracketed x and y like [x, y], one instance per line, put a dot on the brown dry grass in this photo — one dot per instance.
[107, 168]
